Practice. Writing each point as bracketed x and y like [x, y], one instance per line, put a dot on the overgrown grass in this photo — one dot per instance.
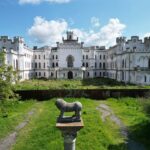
[41, 133]
[96, 83]
[16, 112]
[135, 113]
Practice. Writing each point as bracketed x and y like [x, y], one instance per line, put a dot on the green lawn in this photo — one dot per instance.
[41, 133]
[96, 83]
[16, 113]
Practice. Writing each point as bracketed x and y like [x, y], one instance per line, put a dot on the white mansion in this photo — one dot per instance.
[127, 61]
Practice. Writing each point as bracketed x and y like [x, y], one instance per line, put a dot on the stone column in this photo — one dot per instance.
[69, 133]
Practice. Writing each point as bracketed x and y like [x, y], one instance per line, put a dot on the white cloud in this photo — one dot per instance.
[44, 31]
[147, 35]
[95, 22]
[49, 32]
[40, 1]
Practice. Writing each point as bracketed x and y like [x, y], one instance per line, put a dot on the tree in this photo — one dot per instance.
[7, 77]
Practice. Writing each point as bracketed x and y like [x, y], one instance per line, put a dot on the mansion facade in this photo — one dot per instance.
[127, 61]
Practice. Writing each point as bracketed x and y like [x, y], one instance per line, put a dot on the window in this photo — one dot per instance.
[35, 57]
[88, 74]
[83, 56]
[39, 57]
[44, 74]
[44, 56]
[39, 65]
[122, 63]
[95, 65]
[56, 64]
[103, 74]
[145, 78]
[36, 74]
[53, 65]
[39, 74]
[149, 63]
[52, 74]
[100, 57]
[95, 74]
[70, 61]
[100, 65]
[103, 56]
[100, 74]
[53, 56]
[103, 65]
[87, 65]
[86, 56]
[56, 57]
[35, 65]
[83, 64]
[17, 64]
[44, 65]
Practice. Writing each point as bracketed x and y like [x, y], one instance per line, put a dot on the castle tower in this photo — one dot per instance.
[120, 40]
[69, 35]
[147, 42]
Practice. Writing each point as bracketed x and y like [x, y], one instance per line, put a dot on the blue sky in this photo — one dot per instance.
[95, 21]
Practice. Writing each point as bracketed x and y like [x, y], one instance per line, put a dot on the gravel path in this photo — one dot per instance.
[7, 142]
[108, 113]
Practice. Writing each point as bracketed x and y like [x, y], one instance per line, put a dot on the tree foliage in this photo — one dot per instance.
[7, 78]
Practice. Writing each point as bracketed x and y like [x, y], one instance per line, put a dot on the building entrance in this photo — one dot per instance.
[70, 75]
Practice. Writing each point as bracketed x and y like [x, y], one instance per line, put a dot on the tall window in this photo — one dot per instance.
[56, 64]
[39, 65]
[70, 61]
[100, 65]
[100, 56]
[103, 65]
[44, 65]
[53, 65]
[35, 65]
[87, 65]
[145, 78]
[86, 56]
[149, 63]
[95, 65]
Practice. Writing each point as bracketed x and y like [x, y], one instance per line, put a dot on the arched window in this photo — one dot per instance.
[56, 64]
[70, 61]
[53, 65]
